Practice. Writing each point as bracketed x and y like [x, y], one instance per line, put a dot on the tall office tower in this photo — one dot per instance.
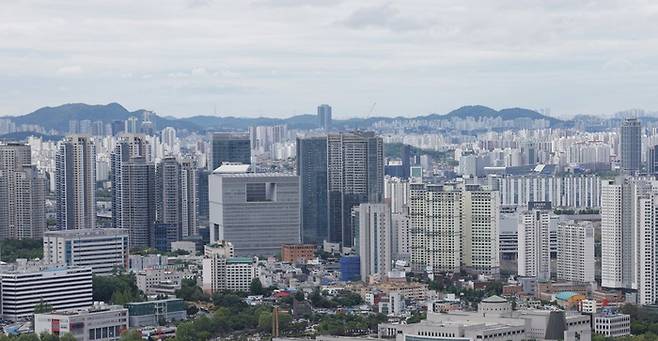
[630, 145]
[312, 171]
[375, 249]
[453, 226]
[652, 160]
[481, 214]
[257, 212]
[133, 189]
[131, 125]
[22, 194]
[405, 155]
[118, 127]
[534, 255]
[229, 147]
[324, 116]
[176, 196]
[355, 175]
[575, 254]
[147, 127]
[617, 235]
[168, 136]
[75, 183]
[436, 228]
[203, 210]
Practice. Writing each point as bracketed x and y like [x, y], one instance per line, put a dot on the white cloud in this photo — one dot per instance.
[285, 56]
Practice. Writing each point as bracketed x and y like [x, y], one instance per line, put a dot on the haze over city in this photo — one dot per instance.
[281, 58]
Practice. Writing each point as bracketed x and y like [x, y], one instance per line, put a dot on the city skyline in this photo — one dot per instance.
[281, 58]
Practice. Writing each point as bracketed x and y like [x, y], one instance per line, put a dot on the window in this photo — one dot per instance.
[257, 192]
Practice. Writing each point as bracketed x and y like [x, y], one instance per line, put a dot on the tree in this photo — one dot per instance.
[48, 337]
[256, 287]
[131, 335]
[70, 337]
[42, 307]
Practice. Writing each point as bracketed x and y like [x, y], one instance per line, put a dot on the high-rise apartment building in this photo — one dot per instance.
[454, 226]
[76, 183]
[133, 190]
[257, 212]
[617, 233]
[176, 195]
[652, 160]
[229, 147]
[312, 171]
[355, 175]
[324, 116]
[22, 194]
[630, 146]
[575, 255]
[534, 254]
[374, 239]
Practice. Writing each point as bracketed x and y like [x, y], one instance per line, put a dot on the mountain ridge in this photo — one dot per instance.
[58, 117]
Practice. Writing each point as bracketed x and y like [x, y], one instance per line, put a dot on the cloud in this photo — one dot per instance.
[286, 56]
[384, 16]
[69, 70]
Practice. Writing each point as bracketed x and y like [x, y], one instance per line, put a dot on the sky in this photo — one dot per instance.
[284, 57]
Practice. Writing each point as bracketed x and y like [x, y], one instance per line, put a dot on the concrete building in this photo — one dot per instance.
[575, 255]
[100, 322]
[355, 175]
[630, 146]
[176, 195]
[374, 239]
[494, 320]
[229, 147]
[244, 205]
[612, 324]
[133, 189]
[534, 255]
[24, 285]
[453, 226]
[312, 171]
[223, 271]
[75, 183]
[105, 251]
[568, 191]
[152, 313]
[297, 253]
[158, 281]
[22, 194]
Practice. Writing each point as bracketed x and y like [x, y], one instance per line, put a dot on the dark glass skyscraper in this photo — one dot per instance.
[355, 175]
[324, 116]
[631, 145]
[229, 147]
[312, 172]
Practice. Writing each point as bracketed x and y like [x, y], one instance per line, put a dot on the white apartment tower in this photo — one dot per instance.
[76, 183]
[534, 258]
[452, 227]
[617, 233]
[375, 249]
[575, 255]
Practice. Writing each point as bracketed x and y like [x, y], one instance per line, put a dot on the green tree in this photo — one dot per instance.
[42, 307]
[70, 337]
[48, 337]
[256, 287]
[131, 335]
[27, 337]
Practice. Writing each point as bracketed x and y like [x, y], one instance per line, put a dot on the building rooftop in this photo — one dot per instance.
[232, 168]
[90, 232]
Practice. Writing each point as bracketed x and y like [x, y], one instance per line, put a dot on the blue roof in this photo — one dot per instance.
[565, 295]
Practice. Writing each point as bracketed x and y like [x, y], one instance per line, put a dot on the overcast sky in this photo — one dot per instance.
[284, 57]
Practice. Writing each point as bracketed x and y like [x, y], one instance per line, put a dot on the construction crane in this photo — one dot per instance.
[372, 109]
